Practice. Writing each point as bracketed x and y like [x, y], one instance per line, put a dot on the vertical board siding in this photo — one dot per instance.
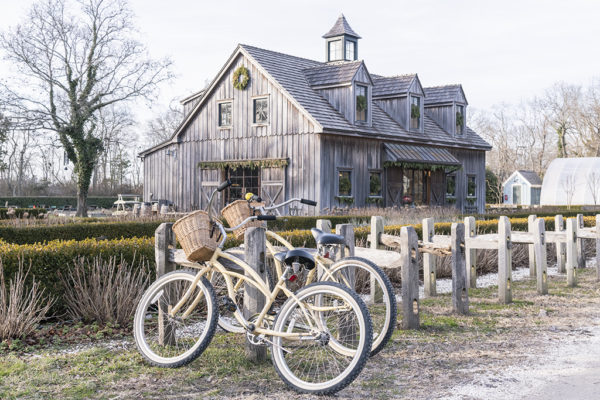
[444, 116]
[397, 108]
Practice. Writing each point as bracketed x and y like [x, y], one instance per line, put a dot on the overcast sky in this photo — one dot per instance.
[501, 51]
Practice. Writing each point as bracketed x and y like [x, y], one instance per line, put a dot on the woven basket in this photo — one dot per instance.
[193, 233]
[237, 212]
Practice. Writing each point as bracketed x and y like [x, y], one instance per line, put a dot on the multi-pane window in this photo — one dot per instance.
[349, 50]
[375, 184]
[460, 119]
[261, 110]
[345, 183]
[414, 188]
[415, 112]
[335, 50]
[225, 114]
[243, 180]
[361, 103]
[451, 186]
[471, 186]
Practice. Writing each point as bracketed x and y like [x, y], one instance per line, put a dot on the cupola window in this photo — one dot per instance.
[335, 50]
[350, 54]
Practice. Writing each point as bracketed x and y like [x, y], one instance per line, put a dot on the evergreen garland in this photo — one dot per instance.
[243, 73]
[252, 164]
[346, 200]
[428, 167]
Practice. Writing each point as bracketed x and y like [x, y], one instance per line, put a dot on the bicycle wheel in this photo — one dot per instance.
[375, 288]
[174, 340]
[321, 312]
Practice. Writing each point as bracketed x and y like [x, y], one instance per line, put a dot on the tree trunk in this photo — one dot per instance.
[81, 203]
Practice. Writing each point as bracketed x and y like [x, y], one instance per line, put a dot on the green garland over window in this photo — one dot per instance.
[252, 164]
[429, 167]
[346, 200]
[241, 78]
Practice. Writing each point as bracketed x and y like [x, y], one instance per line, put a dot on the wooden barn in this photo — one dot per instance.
[285, 126]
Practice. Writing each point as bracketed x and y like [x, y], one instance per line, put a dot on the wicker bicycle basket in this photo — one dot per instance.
[235, 213]
[194, 234]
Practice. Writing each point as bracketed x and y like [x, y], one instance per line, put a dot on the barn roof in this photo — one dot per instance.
[444, 94]
[392, 85]
[296, 75]
[332, 74]
[419, 154]
[341, 27]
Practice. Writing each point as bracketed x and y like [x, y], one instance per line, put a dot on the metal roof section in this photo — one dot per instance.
[419, 154]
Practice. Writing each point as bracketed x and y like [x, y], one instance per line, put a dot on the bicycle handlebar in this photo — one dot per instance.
[308, 202]
[252, 218]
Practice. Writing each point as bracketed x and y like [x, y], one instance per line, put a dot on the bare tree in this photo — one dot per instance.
[568, 185]
[561, 102]
[81, 62]
[593, 184]
[164, 125]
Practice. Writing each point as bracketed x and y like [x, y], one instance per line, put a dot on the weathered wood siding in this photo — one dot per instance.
[397, 108]
[444, 115]
[289, 134]
[473, 163]
[360, 155]
[189, 106]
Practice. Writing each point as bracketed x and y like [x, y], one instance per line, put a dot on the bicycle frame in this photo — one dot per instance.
[256, 281]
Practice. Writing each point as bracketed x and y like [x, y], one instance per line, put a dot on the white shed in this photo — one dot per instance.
[572, 181]
[522, 188]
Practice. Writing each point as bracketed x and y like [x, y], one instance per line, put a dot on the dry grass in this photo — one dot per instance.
[104, 291]
[22, 305]
[401, 216]
[56, 220]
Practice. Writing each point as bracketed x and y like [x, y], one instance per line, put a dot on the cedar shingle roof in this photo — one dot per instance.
[332, 74]
[391, 85]
[443, 94]
[289, 71]
[341, 27]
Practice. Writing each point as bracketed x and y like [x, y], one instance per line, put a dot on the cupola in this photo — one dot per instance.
[341, 42]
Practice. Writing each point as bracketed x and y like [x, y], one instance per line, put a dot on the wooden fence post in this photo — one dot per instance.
[460, 293]
[409, 254]
[324, 225]
[347, 231]
[375, 235]
[571, 252]
[470, 254]
[580, 244]
[504, 261]
[429, 272]
[541, 263]
[598, 247]
[561, 249]
[531, 248]
[163, 238]
[254, 300]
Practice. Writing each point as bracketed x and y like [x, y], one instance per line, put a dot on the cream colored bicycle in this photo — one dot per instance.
[320, 339]
[360, 274]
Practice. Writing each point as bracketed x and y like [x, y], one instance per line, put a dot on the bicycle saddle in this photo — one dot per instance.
[296, 255]
[326, 238]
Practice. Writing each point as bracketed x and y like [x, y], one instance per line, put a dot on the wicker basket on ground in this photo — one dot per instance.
[237, 212]
[194, 234]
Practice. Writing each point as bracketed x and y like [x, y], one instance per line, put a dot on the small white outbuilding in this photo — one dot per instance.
[522, 188]
[572, 181]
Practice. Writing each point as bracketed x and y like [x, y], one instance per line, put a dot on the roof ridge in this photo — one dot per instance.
[395, 76]
[335, 64]
[284, 54]
[443, 86]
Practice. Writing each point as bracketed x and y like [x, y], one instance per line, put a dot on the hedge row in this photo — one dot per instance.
[77, 231]
[48, 201]
[33, 212]
[46, 261]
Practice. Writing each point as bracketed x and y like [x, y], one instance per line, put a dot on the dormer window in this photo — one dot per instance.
[361, 103]
[460, 120]
[335, 50]
[415, 113]
[350, 53]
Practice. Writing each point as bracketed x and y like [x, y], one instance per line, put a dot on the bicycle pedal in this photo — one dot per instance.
[228, 303]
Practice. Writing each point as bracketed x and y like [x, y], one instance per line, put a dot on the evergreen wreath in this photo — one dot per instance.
[415, 111]
[241, 72]
[459, 119]
[361, 103]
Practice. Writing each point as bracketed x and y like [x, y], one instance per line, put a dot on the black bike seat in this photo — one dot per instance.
[296, 255]
[326, 238]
